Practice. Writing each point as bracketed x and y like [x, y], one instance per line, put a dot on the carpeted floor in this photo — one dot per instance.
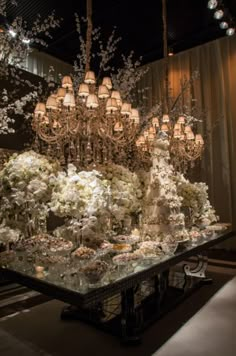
[37, 329]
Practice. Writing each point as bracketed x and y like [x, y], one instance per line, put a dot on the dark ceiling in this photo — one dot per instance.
[139, 23]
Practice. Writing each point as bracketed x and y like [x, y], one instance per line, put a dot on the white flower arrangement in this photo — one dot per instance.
[78, 194]
[26, 183]
[196, 201]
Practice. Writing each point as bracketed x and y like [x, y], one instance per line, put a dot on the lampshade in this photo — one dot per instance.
[177, 134]
[151, 137]
[190, 136]
[103, 92]
[165, 118]
[177, 127]
[199, 140]
[187, 129]
[152, 130]
[111, 105]
[90, 77]
[126, 109]
[51, 102]
[92, 101]
[83, 90]
[40, 109]
[67, 82]
[107, 82]
[135, 115]
[155, 122]
[142, 140]
[61, 94]
[69, 100]
[164, 128]
[181, 119]
[118, 127]
[116, 95]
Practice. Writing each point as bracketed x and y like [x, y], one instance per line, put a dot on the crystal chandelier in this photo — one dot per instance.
[172, 124]
[88, 124]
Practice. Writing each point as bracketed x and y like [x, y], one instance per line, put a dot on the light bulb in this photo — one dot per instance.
[218, 14]
[224, 25]
[212, 4]
[230, 31]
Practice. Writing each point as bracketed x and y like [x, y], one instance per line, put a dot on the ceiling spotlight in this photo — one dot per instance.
[230, 31]
[224, 25]
[218, 14]
[12, 33]
[170, 52]
[212, 4]
[26, 40]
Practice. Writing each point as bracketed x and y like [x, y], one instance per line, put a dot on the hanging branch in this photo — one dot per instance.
[88, 34]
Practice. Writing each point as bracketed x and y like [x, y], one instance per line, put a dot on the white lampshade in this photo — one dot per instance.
[69, 100]
[92, 101]
[107, 82]
[67, 82]
[61, 94]
[199, 140]
[152, 130]
[151, 137]
[181, 119]
[83, 90]
[177, 127]
[155, 122]
[187, 129]
[164, 128]
[40, 109]
[111, 105]
[135, 115]
[142, 140]
[90, 77]
[103, 92]
[190, 136]
[52, 102]
[126, 109]
[116, 95]
[177, 134]
[118, 127]
[165, 118]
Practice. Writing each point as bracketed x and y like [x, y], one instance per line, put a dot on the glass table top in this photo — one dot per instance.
[84, 277]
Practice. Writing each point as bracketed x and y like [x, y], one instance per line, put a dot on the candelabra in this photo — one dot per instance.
[93, 126]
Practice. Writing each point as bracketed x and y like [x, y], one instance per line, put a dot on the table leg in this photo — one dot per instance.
[130, 319]
[196, 272]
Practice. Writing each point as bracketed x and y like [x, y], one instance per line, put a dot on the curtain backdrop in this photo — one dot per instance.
[215, 92]
[39, 63]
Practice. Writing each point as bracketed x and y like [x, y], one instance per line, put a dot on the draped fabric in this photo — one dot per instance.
[215, 92]
[39, 63]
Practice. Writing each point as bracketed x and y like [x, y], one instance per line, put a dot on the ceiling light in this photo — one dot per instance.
[230, 31]
[26, 40]
[12, 33]
[224, 25]
[212, 4]
[218, 14]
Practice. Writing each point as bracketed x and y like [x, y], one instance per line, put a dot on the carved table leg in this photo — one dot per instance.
[196, 272]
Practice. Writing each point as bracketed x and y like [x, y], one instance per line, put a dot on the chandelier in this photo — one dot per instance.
[172, 124]
[88, 124]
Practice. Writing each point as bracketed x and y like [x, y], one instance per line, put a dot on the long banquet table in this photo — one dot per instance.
[125, 305]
